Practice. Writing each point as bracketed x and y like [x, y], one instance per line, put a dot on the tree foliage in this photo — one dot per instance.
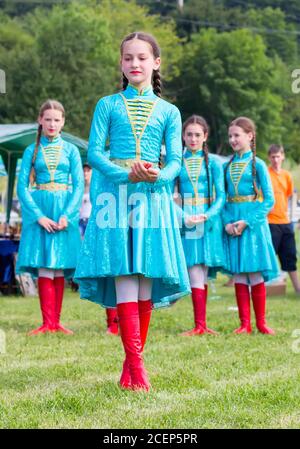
[227, 75]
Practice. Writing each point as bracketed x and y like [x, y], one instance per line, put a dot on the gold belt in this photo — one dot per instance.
[127, 163]
[196, 201]
[52, 186]
[241, 198]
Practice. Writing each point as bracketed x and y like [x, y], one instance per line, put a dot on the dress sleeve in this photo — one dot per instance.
[72, 210]
[96, 150]
[173, 148]
[218, 182]
[29, 207]
[262, 208]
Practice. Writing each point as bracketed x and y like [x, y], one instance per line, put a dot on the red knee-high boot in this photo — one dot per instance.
[259, 296]
[112, 321]
[59, 284]
[47, 304]
[199, 298]
[243, 302]
[145, 310]
[129, 324]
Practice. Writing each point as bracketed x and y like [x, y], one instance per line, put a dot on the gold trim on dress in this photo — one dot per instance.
[197, 201]
[239, 168]
[128, 163]
[197, 174]
[241, 198]
[150, 105]
[52, 186]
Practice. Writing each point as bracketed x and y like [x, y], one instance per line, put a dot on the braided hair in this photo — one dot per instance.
[156, 77]
[49, 104]
[197, 119]
[247, 126]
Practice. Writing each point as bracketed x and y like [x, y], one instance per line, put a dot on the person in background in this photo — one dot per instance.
[50, 239]
[252, 259]
[201, 186]
[281, 228]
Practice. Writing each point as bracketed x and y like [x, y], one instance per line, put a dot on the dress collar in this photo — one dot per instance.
[46, 141]
[189, 153]
[132, 91]
[244, 157]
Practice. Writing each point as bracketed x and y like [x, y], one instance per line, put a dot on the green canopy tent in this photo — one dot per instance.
[14, 138]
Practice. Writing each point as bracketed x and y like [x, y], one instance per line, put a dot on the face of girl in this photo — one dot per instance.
[194, 137]
[138, 62]
[239, 140]
[52, 122]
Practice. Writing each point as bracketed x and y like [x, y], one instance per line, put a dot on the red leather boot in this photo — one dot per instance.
[59, 284]
[199, 298]
[243, 302]
[259, 296]
[129, 324]
[112, 322]
[145, 311]
[47, 304]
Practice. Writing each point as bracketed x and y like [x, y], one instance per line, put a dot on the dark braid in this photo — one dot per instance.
[36, 149]
[205, 150]
[253, 147]
[156, 82]
[124, 82]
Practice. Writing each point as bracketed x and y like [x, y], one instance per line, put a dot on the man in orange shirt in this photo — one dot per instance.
[282, 231]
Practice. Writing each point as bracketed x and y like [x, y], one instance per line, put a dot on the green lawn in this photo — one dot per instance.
[229, 381]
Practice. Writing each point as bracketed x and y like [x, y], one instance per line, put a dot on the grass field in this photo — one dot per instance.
[229, 381]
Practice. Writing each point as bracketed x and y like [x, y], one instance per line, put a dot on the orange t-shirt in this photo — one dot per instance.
[283, 189]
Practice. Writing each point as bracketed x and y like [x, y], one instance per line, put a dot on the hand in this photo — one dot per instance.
[143, 172]
[48, 224]
[193, 220]
[62, 223]
[230, 229]
[239, 225]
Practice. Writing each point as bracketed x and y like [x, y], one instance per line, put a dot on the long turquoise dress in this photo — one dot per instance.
[203, 244]
[253, 251]
[56, 160]
[133, 228]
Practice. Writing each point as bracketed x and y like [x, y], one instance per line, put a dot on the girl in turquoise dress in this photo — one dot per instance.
[252, 258]
[50, 239]
[201, 187]
[132, 256]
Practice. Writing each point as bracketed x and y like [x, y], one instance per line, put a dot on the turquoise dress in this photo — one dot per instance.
[56, 160]
[253, 251]
[133, 228]
[203, 244]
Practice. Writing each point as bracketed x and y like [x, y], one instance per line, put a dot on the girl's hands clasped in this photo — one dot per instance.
[236, 228]
[51, 226]
[48, 224]
[143, 172]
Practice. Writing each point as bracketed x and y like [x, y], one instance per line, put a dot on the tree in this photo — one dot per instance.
[227, 75]
[72, 53]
